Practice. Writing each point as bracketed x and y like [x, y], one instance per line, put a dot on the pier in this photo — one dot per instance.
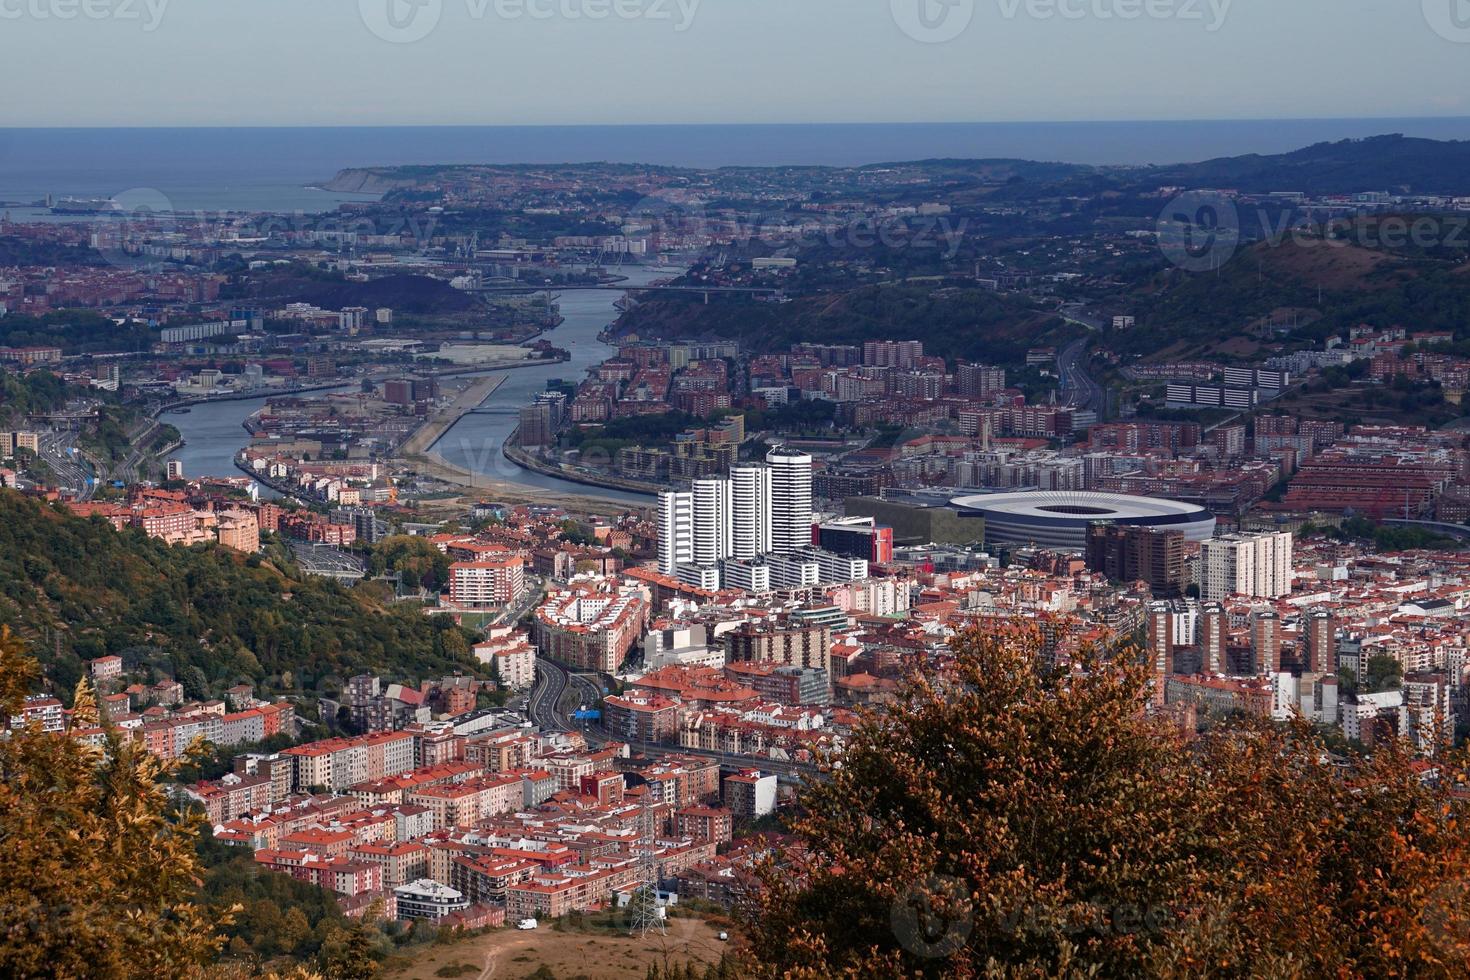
[433, 430]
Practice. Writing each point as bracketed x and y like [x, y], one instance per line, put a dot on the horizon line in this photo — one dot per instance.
[7, 127]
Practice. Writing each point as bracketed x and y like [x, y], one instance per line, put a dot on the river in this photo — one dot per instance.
[214, 433]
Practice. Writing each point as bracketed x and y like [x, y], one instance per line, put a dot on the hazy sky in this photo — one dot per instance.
[345, 62]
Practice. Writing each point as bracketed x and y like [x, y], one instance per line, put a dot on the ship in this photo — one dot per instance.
[79, 205]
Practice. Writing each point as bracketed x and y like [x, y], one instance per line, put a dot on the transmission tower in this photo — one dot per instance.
[646, 917]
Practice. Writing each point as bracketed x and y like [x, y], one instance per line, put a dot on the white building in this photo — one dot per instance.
[791, 500]
[1255, 565]
[794, 571]
[428, 899]
[752, 576]
[750, 501]
[699, 576]
[510, 650]
[712, 520]
[1368, 707]
[675, 530]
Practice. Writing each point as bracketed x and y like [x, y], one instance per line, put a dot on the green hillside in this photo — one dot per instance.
[77, 589]
[969, 323]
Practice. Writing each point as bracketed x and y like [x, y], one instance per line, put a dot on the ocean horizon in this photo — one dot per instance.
[281, 168]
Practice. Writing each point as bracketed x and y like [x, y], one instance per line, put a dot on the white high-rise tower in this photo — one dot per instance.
[791, 500]
[675, 531]
[712, 514]
[750, 502]
[1256, 565]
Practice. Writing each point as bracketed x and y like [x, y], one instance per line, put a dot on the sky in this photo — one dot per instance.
[481, 62]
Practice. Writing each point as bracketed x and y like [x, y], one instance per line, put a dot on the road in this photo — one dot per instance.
[327, 561]
[548, 712]
[70, 465]
[1078, 389]
[544, 705]
[535, 590]
[127, 470]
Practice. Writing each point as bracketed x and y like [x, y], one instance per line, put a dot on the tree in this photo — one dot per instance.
[1009, 818]
[349, 954]
[1384, 673]
[98, 879]
[195, 684]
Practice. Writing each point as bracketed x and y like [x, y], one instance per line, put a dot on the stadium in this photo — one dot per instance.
[1059, 520]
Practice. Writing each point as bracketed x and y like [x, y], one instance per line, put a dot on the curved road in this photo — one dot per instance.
[1078, 389]
[545, 706]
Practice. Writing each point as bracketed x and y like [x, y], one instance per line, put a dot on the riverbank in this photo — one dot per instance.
[431, 464]
[528, 461]
[426, 435]
[240, 396]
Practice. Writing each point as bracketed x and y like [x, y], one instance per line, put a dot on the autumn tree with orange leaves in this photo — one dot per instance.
[1013, 819]
[96, 878]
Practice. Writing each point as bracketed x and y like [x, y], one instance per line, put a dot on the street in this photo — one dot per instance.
[1078, 389]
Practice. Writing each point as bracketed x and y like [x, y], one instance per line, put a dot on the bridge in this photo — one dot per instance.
[705, 291]
[1460, 531]
[63, 416]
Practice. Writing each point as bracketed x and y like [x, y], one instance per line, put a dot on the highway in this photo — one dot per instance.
[327, 561]
[544, 705]
[547, 710]
[70, 465]
[127, 470]
[1078, 389]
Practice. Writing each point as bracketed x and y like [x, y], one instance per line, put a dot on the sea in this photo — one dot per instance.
[282, 169]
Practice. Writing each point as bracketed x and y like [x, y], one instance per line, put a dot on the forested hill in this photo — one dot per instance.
[207, 615]
[1378, 163]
